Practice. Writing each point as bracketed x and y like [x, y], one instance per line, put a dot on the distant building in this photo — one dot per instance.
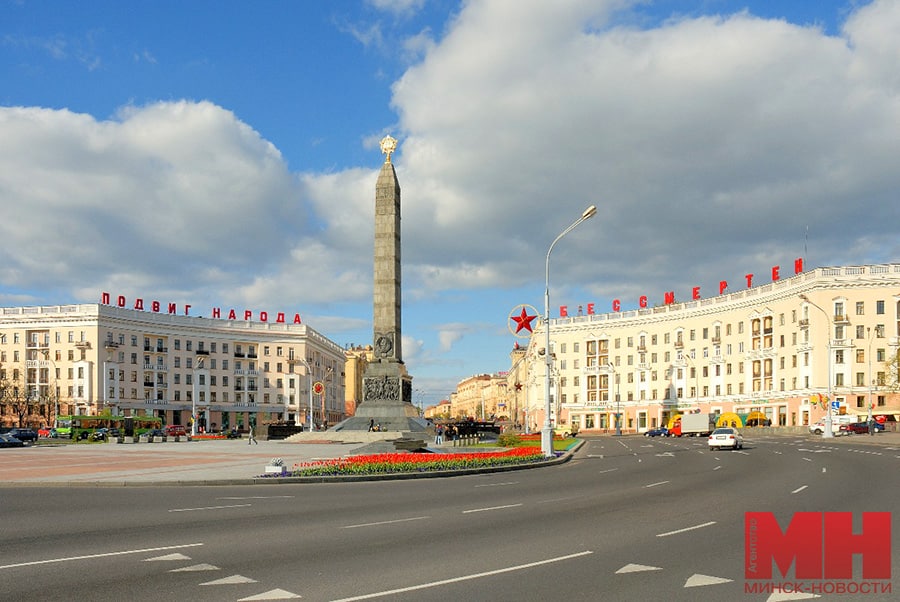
[763, 355]
[95, 358]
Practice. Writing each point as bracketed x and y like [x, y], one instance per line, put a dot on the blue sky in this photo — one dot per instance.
[224, 154]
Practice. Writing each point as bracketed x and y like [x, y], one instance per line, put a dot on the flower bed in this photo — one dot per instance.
[413, 462]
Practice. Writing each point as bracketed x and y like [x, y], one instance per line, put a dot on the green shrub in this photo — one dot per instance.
[509, 440]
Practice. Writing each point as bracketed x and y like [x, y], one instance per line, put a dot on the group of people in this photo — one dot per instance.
[442, 431]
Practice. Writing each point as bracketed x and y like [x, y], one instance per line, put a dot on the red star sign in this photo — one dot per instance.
[523, 320]
[518, 386]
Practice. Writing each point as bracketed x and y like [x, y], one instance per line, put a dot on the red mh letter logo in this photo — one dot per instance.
[820, 544]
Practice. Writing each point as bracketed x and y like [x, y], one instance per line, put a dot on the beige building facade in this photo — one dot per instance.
[774, 353]
[95, 358]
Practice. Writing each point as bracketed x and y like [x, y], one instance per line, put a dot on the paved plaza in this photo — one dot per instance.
[228, 461]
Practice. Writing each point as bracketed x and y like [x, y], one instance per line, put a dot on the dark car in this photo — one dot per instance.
[104, 434]
[10, 441]
[22, 434]
[155, 433]
[657, 432]
[861, 428]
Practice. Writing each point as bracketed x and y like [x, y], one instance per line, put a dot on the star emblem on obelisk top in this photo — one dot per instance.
[523, 320]
[388, 146]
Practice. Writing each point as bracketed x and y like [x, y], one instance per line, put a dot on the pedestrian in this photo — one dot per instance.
[439, 435]
[251, 440]
[371, 424]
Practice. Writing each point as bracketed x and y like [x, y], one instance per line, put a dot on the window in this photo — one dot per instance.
[177, 344]
[879, 307]
[860, 308]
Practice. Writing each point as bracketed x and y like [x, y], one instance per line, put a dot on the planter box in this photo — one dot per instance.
[282, 470]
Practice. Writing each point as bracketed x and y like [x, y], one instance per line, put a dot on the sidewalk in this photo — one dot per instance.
[187, 462]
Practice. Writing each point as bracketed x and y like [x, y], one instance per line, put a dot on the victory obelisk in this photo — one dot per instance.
[387, 387]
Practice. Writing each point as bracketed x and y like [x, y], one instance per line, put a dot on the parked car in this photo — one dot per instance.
[10, 441]
[657, 432]
[860, 428]
[175, 430]
[155, 433]
[726, 437]
[819, 428]
[22, 434]
[103, 434]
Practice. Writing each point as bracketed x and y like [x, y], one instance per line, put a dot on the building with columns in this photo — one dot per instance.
[772, 354]
[95, 358]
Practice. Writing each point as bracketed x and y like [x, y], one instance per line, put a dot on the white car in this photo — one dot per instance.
[819, 428]
[726, 437]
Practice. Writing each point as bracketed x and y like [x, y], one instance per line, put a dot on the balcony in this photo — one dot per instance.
[203, 352]
[804, 323]
[679, 344]
[838, 318]
[717, 340]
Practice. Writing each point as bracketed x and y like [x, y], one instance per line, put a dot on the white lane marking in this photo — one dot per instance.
[491, 508]
[175, 556]
[559, 499]
[665, 455]
[272, 594]
[807, 459]
[799, 489]
[824, 469]
[209, 508]
[710, 523]
[498, 484]
[196, 568]
[463, 578]
[717, 467]
[104, 555]
[637, 568]
[258, 497]
[614, 469]
[595, 456]
[655, 484]
[233, 580]
[698, 580]
[385, 522]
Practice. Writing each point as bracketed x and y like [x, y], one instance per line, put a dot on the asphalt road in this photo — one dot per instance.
[627, 519]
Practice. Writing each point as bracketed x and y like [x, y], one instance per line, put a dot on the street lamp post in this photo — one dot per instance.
[618, 399]
[309, 378]
[829, 430]
[547, 431]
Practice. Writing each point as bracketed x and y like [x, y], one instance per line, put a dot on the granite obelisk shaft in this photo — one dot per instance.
[387, 387]
[386, 301]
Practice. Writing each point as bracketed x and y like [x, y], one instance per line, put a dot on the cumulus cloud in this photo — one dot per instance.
[705, 143]
[169, 197]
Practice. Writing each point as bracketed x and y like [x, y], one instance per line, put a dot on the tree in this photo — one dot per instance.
[892, 373]
[16, 398]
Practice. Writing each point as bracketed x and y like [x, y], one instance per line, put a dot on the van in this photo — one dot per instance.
[837, 420]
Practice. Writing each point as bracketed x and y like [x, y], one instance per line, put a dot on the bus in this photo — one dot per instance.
[73, 426]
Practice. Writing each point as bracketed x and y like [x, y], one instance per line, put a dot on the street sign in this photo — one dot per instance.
[835, 405]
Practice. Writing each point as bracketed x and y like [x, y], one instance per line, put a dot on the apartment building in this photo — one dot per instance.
[229, 373]
[774, 354]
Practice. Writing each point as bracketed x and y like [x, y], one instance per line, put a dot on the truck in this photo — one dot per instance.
[694, 425]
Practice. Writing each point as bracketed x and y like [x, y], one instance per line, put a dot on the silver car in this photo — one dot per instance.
[726, 437]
